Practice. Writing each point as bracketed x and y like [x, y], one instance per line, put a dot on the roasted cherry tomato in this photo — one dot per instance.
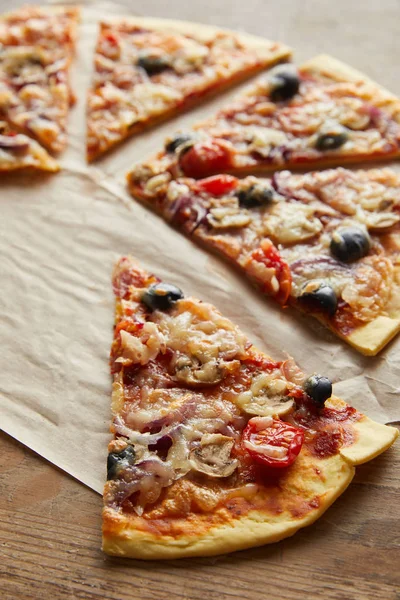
[268, 254]
[272, 442]
[205, 158]
[217, 185]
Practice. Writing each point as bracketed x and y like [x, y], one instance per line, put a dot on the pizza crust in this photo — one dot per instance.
[205, 33]
[372, 337]
[255, 528]
[373, 439]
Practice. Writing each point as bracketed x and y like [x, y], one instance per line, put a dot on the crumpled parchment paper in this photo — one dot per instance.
[60, 236]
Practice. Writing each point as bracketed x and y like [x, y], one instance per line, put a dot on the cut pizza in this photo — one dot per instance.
[18, 151]
[36, 47]
[326, 242]
[217, 447]
[324, 113]
[147, 70]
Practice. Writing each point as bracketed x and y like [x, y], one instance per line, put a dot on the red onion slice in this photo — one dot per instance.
[14, 142]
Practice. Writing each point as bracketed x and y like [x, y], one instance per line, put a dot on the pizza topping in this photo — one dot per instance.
[141, 348]
[14, 143]
[271, 442]
[264, 139]
[350, 243]
[193, 372]
[291, 222]
[205, 346]
[213, 456]
[145, 479]
[228, 216]
[319, 388]
[172, 144]
[116, 461]
[161, 296]
[319, 297]
[255, 195]
[267, 396]
[292, 371]
[368, 293]
[217, 185]
[268, 268]
[205, 158]
[331, 140]
[284, 83]
[153, 64]
[377, 222]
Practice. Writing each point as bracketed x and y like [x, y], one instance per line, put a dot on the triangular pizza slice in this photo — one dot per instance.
[327, 242]
[18, 151]
[217, 447]
[324, 113]
[147, 70]
[50, 27]
[36, 47]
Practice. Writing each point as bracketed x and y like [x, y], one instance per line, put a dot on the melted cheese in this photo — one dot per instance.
[143, 348]
[291, 222]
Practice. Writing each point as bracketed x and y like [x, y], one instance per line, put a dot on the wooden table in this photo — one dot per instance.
[50, 540]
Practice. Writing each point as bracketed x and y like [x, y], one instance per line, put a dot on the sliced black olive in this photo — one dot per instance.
[153, 64]
[284, 84]
[350, 243]
[319, 296]
[331, 141]
[255, 195]
[161, 296]
[176, 141]
[319, 388]
[118, 460]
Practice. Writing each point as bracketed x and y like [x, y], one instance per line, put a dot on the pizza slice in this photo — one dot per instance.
[50, 27]
[36, 46]
[326, 242]
[147, 70]
[324, 113]
[217, 447]
[18, 151]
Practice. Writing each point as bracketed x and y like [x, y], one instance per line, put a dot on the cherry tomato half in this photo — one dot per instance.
[272, 442]
[217, 185]
[205, 158]
[269, 255]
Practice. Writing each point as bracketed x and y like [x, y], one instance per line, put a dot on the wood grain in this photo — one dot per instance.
[50, 545]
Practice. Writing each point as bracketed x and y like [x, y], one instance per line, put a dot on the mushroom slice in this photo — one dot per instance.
[213, 456]
[228, 216]
[266, 397]
[380, 221]
[191, 371]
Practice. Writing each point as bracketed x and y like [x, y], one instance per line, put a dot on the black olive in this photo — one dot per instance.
[119, 460]
[284, 84]
[319, 388]
[153, 64]
[255, 195]
[350, 243]
[161, 296]
[176, 141]
[319, 296]
[331, 141]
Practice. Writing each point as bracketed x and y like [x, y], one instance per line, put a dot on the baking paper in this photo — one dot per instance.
[61, 234]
